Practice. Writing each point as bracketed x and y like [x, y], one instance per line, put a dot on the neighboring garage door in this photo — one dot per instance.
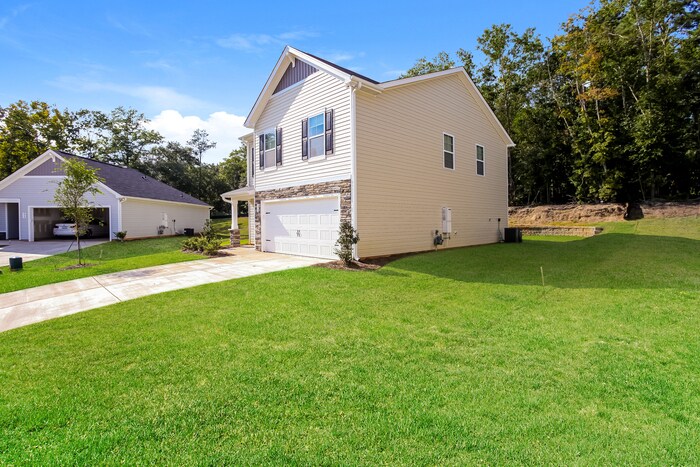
[302, 227]
[44, 220]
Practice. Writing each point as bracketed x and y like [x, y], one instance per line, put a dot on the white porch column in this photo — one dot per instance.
[234, 214]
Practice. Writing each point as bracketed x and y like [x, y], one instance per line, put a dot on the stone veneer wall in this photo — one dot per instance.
[573, 231]
[342, 187]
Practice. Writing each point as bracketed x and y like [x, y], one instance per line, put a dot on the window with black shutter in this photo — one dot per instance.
[261, 150]
[305, 139]
[268, 149]
[278, 151]
[329, 131]
[316, 135]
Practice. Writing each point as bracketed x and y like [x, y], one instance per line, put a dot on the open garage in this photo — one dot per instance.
[127, 201]
[45, 219]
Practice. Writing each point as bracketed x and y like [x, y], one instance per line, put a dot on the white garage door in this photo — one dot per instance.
[307, 228]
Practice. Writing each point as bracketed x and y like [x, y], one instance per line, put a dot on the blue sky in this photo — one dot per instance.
[190, 65]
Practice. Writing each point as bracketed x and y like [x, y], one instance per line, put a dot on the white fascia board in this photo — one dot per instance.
[266, 90]
[462, 73]
[247, 137]
[22, 171]
[288, 56]
[126, 198]
[240, 194]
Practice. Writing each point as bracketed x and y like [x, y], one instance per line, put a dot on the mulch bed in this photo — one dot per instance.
[369, 264]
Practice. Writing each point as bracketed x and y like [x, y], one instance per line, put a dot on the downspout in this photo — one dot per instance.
[354, 86]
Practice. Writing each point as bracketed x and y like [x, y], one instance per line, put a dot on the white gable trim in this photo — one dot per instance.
[152, 200]
[287, 57]
[471, 88]
[21, 172]
[50, 154]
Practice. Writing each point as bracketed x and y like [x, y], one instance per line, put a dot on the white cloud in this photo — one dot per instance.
[155, 97]
[5, 20]
[223, 127]
[258, 42]
[162, 65]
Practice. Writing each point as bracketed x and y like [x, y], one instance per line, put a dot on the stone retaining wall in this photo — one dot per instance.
[572, 231]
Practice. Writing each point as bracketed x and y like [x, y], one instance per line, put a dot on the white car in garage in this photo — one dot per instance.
[67, 229]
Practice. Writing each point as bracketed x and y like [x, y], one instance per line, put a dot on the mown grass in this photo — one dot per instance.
[103, 258]
[454, 357]
[222, 226]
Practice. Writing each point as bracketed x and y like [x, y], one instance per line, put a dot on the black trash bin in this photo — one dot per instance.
[189, 232]
[513, 235]
[15, 263]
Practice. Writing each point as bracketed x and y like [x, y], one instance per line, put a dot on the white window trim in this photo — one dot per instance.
[483, 161]
[454, 151]
[262, 151]
[321, 156]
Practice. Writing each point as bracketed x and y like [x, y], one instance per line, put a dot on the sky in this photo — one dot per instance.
[189, 65]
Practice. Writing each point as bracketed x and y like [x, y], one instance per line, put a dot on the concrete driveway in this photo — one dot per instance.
[41, 249]
[65, 298]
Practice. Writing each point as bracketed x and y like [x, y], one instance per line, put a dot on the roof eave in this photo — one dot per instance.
[287, 54]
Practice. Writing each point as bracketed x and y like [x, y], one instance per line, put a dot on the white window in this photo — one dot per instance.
[270, 149]
[480, 169]
[448, 151]
[317, 131]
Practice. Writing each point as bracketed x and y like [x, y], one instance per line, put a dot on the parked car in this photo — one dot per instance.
[64, 229]
[67, 229]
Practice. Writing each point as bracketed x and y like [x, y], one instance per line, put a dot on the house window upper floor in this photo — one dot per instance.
[316, 141]
[448, 151]
[480, 162]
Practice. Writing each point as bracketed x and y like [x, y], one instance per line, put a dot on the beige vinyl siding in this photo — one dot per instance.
[402, 184]
[141, 218]
[287, 110]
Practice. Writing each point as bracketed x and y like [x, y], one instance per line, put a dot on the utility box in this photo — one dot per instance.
[446, 221]
[513, 235]
[15, 263]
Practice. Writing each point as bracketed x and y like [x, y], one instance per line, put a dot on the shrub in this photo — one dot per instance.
[208, 231]
[346, 239]
[201, 244]
[120, 235]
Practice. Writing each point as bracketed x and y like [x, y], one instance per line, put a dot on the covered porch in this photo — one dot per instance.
[246, 194]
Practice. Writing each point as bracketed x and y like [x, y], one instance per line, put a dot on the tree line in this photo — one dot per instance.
[120, 137]
[607, 110]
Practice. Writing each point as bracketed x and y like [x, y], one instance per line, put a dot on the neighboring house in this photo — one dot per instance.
[130, 201]
[402, 160]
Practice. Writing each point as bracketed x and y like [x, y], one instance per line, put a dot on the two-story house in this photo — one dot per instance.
[404, 161]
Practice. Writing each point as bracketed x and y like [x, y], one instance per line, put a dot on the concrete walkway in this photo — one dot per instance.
[41, 249]
[65, 298]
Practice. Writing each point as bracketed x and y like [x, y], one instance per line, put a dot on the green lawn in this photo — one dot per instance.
[222, 226]
[454, 357]
[104, 258]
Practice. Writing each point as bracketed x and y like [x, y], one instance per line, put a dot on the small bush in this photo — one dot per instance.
[202, 244]
[346, 239]
[208, 231]
[120, 235]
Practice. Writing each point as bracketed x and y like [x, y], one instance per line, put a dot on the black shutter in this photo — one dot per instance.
[252, 160]
[305, 139]
[329, 131]
[278, 151]
[261, 151]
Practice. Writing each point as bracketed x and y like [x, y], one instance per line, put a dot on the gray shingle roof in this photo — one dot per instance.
[343, 69]
[131, 182]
